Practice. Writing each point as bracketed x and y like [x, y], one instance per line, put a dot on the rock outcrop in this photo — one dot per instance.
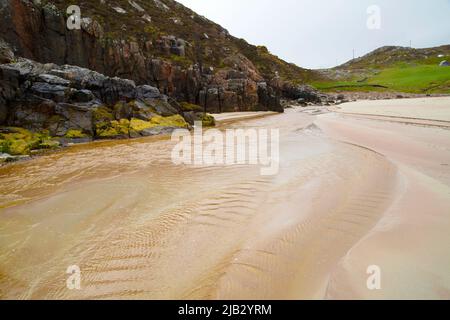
[128, 69]
[303, 92]
[39, 32]
[73, 102]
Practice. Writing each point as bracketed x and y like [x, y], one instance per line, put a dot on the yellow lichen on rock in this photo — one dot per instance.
[74, 134]
[140, 125]
[172, 121]
[114, 129]
[19, 141]
[186, 106]
[208, 120]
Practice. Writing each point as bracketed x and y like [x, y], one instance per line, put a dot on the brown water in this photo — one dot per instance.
[140, 227]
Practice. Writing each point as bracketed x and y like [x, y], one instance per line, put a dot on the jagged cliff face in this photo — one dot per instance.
[155, 42]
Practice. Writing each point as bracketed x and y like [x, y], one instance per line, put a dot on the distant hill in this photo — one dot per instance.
[391, 68]
[390, 56]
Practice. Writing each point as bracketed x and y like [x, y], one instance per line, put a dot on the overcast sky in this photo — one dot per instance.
[323, 33]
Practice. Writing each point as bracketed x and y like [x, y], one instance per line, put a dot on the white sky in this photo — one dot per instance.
[323, 33]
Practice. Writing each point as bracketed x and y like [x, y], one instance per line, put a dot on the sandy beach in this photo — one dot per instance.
[356, 187]
[420, 108]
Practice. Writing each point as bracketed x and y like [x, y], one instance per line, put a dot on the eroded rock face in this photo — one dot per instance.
[39, 33]
[304, 92]
[63, 98]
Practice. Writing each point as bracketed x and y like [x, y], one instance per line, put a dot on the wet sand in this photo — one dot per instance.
[352, 191]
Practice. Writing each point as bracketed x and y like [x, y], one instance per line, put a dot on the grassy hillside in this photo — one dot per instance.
[392, 69]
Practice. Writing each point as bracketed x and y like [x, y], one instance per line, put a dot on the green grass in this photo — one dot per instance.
[419, 79]
[425, 78]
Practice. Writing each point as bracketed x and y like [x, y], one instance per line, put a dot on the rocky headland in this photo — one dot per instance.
[121, 80]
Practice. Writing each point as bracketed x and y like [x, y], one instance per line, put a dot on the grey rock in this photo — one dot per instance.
[122, 110]
[116, 89]
[141, 111]
[4, 157]
[190, 117]
[45, 90]
[147, 92]
[64, 142]
[82, 95]
[308, 93]
[268, 99]
[162, 107]
[81, 78]
[52, 79]
[77, 117]
[32, 112]
[157, 131]
[60, 98]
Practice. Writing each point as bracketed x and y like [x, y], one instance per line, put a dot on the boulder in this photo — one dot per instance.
[5, 157]
[54, 80]
[157, 131]
[140, 110]
[268, 99]
[162, 107]
[117, 89]
[62, 99]
[145, 92]
[82, 95]
[45, 90]
[295, 92]
[80, 78]
[122, 110]
[32, 112]
[78, 117]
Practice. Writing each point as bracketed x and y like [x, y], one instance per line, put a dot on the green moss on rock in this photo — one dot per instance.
[140, 125]
[49, 144]
[172, 121]
[102, 114]
[114, 129]
[19, 141]
[16, 147]
[186, 106]
[75, 134]
[176, 121]
[208, 120]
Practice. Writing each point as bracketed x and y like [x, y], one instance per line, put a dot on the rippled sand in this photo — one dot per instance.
[352, 192]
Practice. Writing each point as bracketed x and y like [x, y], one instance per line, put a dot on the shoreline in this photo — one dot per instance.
[221, 120]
